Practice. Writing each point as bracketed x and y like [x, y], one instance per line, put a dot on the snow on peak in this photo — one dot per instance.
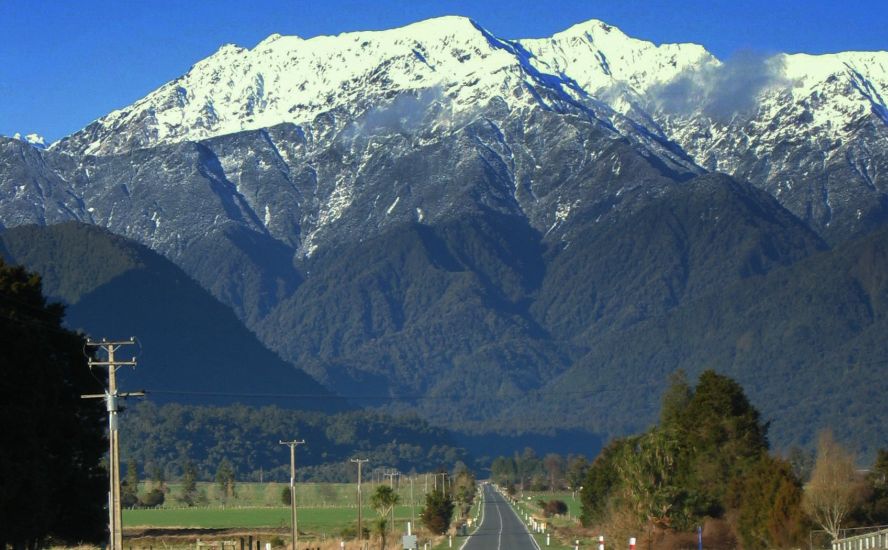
[598, 57]
[592, 27]
[33, 139]
[270, 39]
[290, 79]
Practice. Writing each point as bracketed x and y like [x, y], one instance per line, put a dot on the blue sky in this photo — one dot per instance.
[66, 63]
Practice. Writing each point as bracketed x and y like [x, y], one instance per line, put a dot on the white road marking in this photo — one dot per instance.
[499, 540]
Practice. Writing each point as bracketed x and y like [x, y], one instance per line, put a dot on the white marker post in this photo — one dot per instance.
[600, 542]
[632, 543]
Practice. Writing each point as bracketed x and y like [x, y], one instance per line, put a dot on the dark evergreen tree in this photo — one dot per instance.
[438, 512]
[52, 441]
[724, 432]
[601, 481]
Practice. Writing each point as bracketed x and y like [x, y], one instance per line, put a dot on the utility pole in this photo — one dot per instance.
[412, 507]
[443, 478]
[293, 444]
[360, 462]
[391, 475]
[111, 397]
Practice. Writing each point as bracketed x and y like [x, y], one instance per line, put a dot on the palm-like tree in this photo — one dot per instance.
[383, 501]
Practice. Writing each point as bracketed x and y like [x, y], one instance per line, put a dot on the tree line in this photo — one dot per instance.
[164, 439]
[528, 471]
[708, 463]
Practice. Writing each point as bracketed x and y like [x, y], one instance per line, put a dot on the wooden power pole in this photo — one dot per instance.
[293, 444]
[360, 462]
[111, 397]
[391, 475]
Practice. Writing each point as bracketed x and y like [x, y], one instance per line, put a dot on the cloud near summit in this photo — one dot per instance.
[722, 91]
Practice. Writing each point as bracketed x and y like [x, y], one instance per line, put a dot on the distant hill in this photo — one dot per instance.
[484, 326]
[192, 348]
[807, 341]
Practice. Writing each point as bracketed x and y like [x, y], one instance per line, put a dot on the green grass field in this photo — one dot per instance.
[315, 520]
[573, 504]
[325, 510]
[309, 495]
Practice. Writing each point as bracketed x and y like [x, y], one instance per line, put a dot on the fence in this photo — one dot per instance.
[865, 541]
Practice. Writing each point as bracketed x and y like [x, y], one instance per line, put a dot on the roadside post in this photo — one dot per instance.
[408, 541]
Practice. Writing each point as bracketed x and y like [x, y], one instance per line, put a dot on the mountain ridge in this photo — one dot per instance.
[477, 217]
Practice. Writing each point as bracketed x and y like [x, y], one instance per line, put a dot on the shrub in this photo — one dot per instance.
[152, 498]
[555, 508]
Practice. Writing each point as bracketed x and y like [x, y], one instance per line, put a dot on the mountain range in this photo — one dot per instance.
[512, 235]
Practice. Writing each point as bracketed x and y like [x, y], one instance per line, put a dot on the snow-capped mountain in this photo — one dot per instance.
[312, 142]
[781, 122]
[392, 208]
[286, 79]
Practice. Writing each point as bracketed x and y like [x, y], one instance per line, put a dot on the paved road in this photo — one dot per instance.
[500, 528]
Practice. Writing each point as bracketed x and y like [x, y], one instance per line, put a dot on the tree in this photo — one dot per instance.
[767, 505]
[463, 491]
[601, 482]
[503, 471]
[577, 467]
[129, 489]
[554, 465]
[724, 433]
[437, 512]
[52, 441]
[709, 439]
[158, 477]
[874, 508]
[225, 478]
[834, 488]
[189, 482]
[383, 501]
[650, 477]
[527, 464]
[153, 498]
[676, 400]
